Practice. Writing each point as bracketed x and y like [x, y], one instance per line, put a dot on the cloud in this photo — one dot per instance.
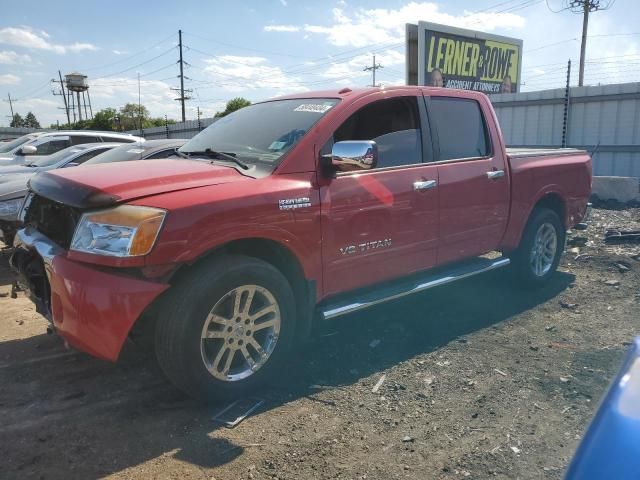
[9, 57]
[118, 52]
[281, 28]
[27, 38]
[284, 3]
[9, 79]
[236, 74]
[361, 27]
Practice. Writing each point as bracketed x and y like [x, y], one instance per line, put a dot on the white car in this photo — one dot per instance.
[35, 146]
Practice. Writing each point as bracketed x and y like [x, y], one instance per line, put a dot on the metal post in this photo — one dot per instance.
[199, 122]
[567, 98]
[166, 126]
[79, 107]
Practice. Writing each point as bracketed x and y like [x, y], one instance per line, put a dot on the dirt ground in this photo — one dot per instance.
[482, 380]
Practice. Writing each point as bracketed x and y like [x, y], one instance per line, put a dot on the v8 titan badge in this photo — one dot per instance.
[293, 203]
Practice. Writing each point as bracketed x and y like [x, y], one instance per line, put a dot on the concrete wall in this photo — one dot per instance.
[607, 114]
[10, 132]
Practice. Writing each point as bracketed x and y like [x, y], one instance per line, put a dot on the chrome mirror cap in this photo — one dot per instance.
[28, 150]
[352, 155]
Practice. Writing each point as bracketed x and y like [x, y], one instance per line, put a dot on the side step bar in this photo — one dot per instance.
[429, 280]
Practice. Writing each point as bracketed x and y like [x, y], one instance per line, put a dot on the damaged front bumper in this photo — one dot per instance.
[93, 309]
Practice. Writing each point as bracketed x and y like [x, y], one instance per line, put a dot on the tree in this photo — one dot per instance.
[105, 119]
[31, 121]
[17, 121]
[233, 105]
[131, 114]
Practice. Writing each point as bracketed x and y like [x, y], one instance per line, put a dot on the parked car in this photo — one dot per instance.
[611, 446]
[34, 146]
[14, 180]
[288, 212]
[148, 150]
[13, 187]
[70, 156]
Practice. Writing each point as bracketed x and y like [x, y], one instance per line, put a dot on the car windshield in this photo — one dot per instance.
[8, 146]
[123, 153]
[54, 158]
[263, 132]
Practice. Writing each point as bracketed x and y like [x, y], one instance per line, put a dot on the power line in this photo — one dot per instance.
[136, 66]
[129, 57]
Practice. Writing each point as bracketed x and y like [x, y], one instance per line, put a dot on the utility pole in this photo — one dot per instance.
[182, 91]
[64, 96]
[585, 7]
[10, 105]
[139, 106]
[373, 69]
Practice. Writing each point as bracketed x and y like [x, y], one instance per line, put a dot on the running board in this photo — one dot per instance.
[429, 280]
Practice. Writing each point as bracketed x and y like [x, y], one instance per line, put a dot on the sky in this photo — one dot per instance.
[264, 48]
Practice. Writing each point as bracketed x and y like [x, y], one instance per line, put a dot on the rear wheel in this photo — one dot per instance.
[541, 247]
[227, 327]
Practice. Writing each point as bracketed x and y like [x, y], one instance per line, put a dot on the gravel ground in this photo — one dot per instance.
[480, 380]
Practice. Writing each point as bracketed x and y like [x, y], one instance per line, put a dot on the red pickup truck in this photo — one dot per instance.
[285, 214]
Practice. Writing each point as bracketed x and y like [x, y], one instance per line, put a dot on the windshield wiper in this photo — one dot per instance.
[219, 155]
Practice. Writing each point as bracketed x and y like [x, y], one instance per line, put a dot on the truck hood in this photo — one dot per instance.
[107, 184]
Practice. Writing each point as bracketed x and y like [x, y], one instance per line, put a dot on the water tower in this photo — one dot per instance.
[77, 83]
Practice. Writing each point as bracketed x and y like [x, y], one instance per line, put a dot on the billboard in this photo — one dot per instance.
[457, 58]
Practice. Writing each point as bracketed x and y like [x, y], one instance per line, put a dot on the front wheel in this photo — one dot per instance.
[541, 247]
[227, 327]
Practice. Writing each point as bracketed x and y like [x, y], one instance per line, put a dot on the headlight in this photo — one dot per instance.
[10, 208]
[124, 231]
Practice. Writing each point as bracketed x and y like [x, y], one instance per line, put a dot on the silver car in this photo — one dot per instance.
[14, 180]
[40, 144]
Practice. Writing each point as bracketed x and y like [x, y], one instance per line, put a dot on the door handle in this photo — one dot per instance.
[424, 185]
[495, 174]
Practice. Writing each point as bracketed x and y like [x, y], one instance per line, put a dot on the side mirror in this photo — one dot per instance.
[71, 164]
[28, 150]
[353, 155]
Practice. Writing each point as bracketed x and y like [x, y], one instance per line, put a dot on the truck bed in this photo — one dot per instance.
[521, 152]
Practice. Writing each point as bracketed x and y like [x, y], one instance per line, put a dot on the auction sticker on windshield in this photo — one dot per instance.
[312, 107]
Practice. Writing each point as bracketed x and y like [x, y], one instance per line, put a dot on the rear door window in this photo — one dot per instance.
[462, 131]
[89, 155]
[80, 139]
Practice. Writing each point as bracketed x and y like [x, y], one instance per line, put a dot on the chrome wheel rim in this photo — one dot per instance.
[544, 249]
[240, 333]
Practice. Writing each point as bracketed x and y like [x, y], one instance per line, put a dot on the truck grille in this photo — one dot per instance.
[53, 219]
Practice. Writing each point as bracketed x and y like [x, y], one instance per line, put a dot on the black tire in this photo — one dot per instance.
[185, 311]
[521, 258]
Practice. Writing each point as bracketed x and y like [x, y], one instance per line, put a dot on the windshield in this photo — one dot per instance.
[54, 157]
[263, 132]
[123, 153]
[8, 146]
